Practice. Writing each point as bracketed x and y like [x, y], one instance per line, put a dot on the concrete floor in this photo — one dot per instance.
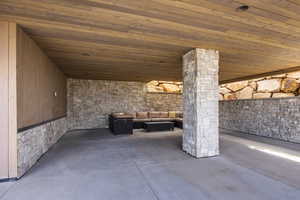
[96, 165]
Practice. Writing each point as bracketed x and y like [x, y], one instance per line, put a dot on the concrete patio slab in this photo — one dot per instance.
[4, 187]
[93, 164]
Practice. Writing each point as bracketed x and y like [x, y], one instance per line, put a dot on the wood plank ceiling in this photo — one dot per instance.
[142, 40]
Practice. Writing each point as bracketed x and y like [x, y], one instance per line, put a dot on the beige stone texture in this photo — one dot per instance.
[245, 93]
[294, 75]
[272, 85]
[258, 79]
[166, 82]
[279, 76]
[262, 87]
[152, 88]
[237, 85]
[230, 96]
[253, 85]
[282, 95]
[224, 90]
[153, 83]
[261, 95]
[289, 85]
[164, 86]
[170, 87]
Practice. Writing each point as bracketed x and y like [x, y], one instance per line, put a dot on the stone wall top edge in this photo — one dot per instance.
[26, 129]
[164, 93]
[263, 99]
[77, 79]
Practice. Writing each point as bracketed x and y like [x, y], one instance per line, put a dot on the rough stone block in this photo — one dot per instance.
[261, 95]
[294, 75]
[272, 85]
[237, 85]
[289, 85]
[170, 87]
[224, 90]
[279, 76]
[153, 83]
[253, 85]
[245, 93]
[282, 95]
[152, 88]
[230, 96]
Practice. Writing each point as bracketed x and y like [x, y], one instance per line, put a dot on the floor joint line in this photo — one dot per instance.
[147, 182]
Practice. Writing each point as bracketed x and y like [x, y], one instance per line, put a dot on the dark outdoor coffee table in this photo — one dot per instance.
[159, 126]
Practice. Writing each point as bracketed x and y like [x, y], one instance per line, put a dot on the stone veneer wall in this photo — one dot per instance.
[164, 102]
[33, 143]
[164, 87]
[91, 101]
[276, 118]
[277, 86]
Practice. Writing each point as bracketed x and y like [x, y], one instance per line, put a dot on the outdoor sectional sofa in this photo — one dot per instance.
[124, 123]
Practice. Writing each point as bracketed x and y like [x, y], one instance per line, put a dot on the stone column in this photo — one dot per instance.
[201, 103]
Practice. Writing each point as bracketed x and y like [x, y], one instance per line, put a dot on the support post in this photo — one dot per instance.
[201, 103]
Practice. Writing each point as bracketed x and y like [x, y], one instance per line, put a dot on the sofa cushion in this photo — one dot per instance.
[164, 115]
[142, 115]
[172, 114]
[179, 114]
[154, 114]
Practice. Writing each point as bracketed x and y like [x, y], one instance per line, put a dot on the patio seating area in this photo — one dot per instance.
[154, 99]
[94, 164]
[124, 123]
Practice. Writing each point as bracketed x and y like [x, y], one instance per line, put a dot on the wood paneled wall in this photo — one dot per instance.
[38, 79]
[32, 88]
[8, 112]
[4, 100]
